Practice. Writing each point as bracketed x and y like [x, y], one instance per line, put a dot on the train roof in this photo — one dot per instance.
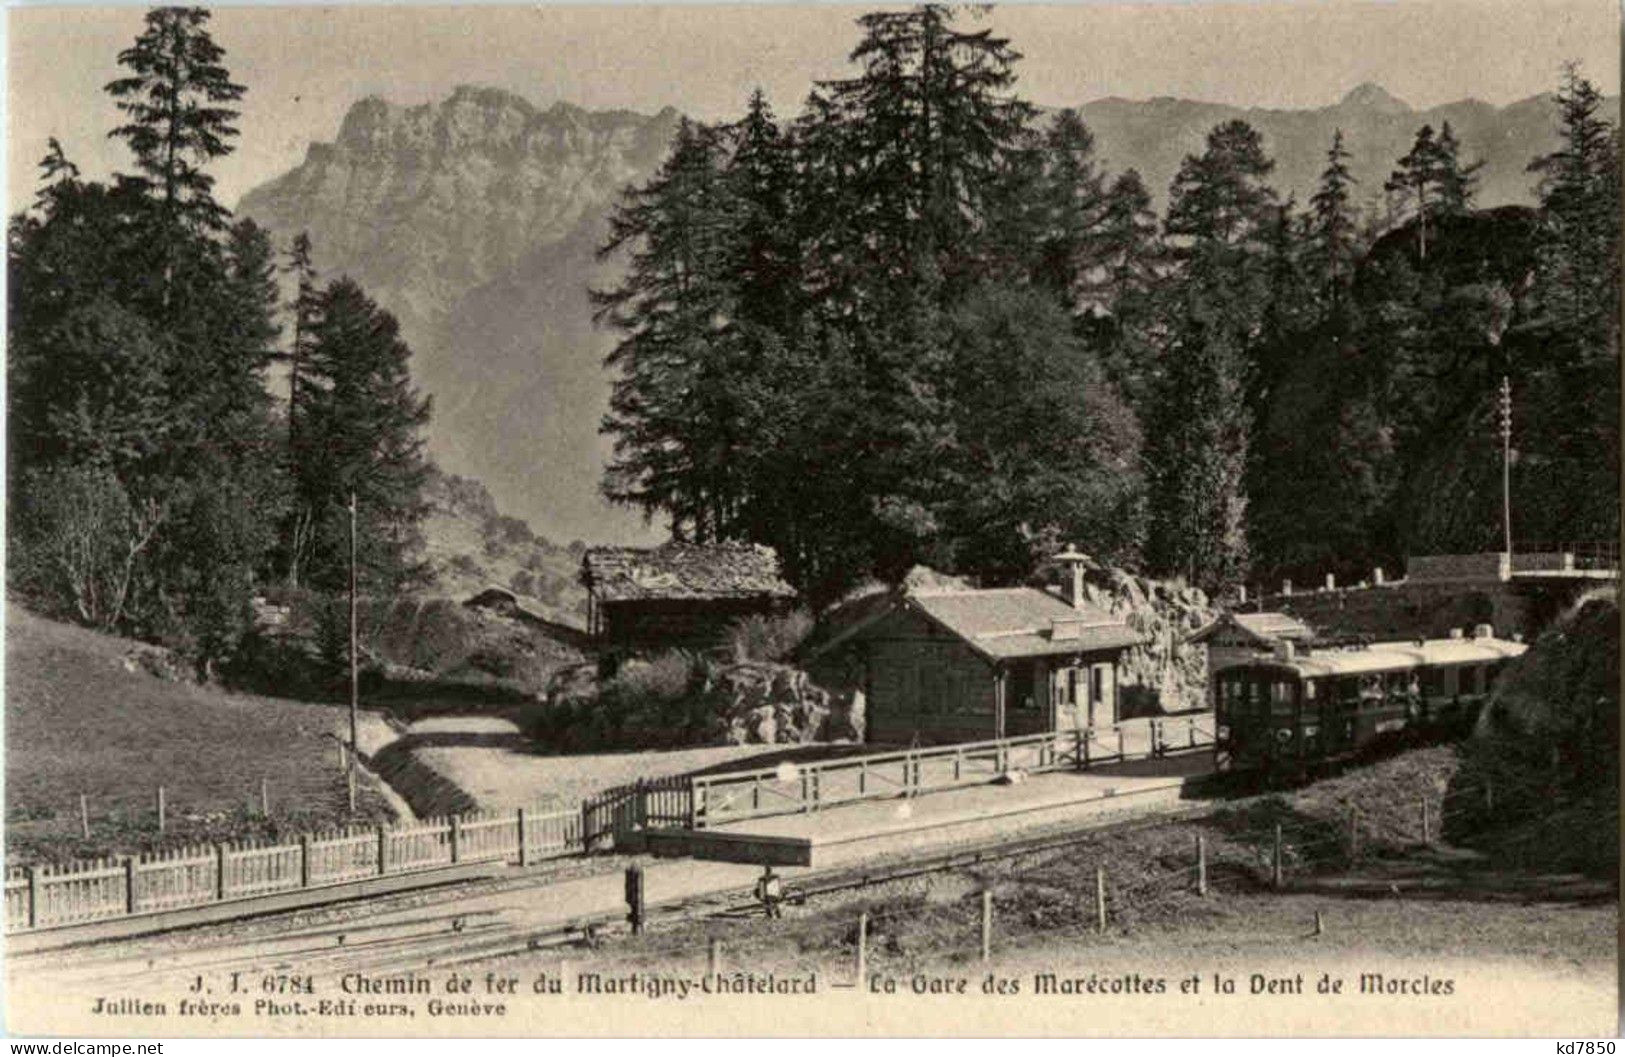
[1396, 657]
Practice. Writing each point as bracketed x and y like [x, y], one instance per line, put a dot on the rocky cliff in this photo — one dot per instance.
[475, 221]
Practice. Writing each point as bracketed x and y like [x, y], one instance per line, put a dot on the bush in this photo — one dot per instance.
[769, 638]
[654, 703]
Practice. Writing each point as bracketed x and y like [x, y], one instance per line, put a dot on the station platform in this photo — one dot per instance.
[852, 832]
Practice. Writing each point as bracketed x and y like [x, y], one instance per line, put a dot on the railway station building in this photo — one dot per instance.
[952, 665]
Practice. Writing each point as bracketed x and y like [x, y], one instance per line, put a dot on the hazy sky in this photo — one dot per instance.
[304, 66]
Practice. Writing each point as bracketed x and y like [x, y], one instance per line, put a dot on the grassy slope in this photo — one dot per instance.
[78, 721]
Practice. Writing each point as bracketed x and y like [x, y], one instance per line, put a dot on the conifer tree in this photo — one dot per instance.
[1197, 453]
[363, 428]
[1580, 211]
[1073, 198]
[1334, 244]
[177, 100]
[677, 232]
[1431, 181]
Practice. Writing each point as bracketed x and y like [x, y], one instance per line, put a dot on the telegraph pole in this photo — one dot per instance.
[355, 686]
[1506, 460]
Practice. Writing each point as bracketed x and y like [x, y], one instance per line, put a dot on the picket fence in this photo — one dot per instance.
[49, 895]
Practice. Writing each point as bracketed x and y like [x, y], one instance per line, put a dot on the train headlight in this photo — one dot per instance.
[1283, 735]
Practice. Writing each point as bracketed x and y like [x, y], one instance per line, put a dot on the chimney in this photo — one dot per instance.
[1073, 559]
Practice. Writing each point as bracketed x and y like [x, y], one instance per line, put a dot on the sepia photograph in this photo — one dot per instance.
[813, 520]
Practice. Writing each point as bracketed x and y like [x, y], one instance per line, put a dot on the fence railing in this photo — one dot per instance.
[49, 895]
[798, 788]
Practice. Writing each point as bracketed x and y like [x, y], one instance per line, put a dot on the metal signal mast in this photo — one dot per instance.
[1506, 459]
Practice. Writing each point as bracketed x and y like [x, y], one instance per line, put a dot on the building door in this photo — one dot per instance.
[1028, 702]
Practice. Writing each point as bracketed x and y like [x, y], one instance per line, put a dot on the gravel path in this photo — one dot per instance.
[500, 768]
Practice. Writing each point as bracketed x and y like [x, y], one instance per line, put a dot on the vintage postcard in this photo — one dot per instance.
[1075, 520]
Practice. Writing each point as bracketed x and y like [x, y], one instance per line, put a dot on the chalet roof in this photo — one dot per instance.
[502, 599]
[1265, 628]
[684, 571]
[1011, 622]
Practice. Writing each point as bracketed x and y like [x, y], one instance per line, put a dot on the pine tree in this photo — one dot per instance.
[1072, 200]
[363, 426]
[1197, 454]
[764, 270]
[932, 122]
[177, 121]
[1334, 243]
[1579, 194]
[299, 527]
[1431, 182]
[671, 452]
[1220, 210]
[1220, 221]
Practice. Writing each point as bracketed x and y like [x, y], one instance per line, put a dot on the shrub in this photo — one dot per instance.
[768, 638]
[654, 703]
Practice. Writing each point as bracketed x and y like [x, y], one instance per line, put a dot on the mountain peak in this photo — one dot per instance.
[1371, 96]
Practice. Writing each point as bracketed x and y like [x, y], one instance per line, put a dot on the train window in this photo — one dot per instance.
[1348, 691]
[1311, 689]
[1283, 695]
[1477, 678]
[1370, 688]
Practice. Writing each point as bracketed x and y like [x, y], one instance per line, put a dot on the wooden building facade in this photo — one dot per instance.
[969, 665]
[679, 594]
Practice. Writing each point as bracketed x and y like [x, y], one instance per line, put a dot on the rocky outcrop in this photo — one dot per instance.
[1163, 674]
[749, 703]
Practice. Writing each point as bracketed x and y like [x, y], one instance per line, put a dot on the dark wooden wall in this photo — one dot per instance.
[696, 624]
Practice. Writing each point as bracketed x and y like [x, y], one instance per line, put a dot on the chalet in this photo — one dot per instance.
[967, 665]
[562, 626]
[1239, 638]
[679, 594]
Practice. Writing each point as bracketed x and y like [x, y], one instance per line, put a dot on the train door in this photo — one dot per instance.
[1282, 689]
[1311, 725]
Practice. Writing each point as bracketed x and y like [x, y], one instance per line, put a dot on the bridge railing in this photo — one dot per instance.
[1576, 554]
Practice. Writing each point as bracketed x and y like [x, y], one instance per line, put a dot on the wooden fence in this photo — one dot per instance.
[49, 895]
[45, 896]
[648, 803]
[792, 788]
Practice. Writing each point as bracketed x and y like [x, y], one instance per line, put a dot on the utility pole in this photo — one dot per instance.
[1506, 461]
[355, 683]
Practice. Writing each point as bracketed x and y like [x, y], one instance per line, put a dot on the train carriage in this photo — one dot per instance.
[1295, 709]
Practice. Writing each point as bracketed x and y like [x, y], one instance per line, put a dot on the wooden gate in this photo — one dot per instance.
[658, 803]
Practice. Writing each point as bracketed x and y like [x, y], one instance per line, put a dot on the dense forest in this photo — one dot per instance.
[921, 322]
[155, 482]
